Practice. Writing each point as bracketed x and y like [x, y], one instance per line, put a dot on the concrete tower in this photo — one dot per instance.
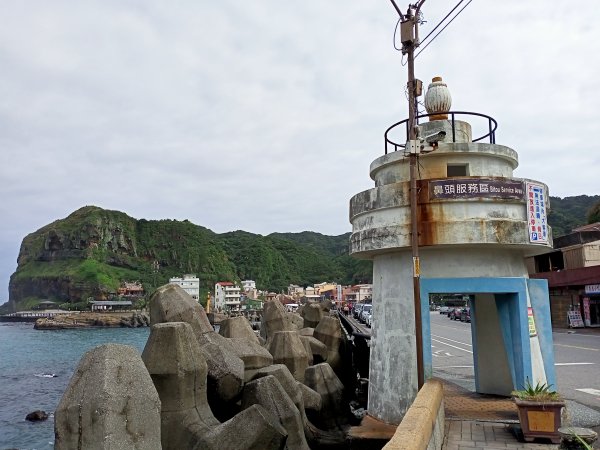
[476, 223]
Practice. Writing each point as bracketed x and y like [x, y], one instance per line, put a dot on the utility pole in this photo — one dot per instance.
[409, 33]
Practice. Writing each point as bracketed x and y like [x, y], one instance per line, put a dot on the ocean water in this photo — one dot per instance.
[28, 359]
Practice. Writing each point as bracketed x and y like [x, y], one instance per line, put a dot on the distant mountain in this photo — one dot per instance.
[89, 253]
[570, 212]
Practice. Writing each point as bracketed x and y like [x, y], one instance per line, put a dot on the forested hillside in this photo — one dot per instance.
[570, 212]
[89, 253]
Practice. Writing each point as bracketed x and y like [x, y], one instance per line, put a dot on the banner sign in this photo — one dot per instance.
[592, 288]
[459, 188]
[536, 213]
[586, 312]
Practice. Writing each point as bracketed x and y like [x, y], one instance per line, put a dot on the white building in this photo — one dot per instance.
[190, 283]
[249, 289]
[227, 296]
[248, 285]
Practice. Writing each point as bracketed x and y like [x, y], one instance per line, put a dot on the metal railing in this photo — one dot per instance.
[492, 126]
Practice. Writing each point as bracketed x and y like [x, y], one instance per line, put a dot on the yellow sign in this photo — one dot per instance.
[416, 267]
[541, 421]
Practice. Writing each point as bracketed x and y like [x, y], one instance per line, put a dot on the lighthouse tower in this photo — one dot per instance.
[476, 222]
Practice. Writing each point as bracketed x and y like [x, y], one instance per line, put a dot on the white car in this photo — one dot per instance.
[366, 310]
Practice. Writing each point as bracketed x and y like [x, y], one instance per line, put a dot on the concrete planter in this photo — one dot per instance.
[540, 419]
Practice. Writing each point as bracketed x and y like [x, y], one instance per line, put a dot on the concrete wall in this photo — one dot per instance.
[393, 364]
[423, 425]
[492, 369]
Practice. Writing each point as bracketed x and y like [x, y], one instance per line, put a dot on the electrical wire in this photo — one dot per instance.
[441, 21]
[433, 38]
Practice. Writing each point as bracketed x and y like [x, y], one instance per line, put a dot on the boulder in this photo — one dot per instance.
[318, 351]
[310, 398]
[329, 333]
[274, 319]
[312, 314]
[322, 379]
[37, 416]
[177, 367]
[110, 403]
[296, 319]
[267, 392]
[170, 303]
[225, 368]
[238, 327]
[287, 348]
[308, 350]
[287, 381]
[252, 354]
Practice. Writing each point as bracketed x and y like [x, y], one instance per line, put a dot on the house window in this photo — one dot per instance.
[458, 170]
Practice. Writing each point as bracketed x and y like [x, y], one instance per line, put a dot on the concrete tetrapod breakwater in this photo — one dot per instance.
[199, 389]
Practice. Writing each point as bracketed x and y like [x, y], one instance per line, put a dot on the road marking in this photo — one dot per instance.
[590, 391]
[451, 340]
[580, 348]
[574, 364]
[453, 346]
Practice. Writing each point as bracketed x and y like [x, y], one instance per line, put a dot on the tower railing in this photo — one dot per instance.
[390, 145]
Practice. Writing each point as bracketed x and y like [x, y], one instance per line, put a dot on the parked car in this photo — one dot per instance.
[454, 314]
[366, 310]
[370, 320]
[465, 315]
[444, 310]
[357, 310]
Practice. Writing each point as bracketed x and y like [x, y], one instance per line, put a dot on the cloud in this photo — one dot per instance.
[265, 115]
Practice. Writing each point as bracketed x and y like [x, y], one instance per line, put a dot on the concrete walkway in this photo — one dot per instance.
[476, 421]
[472, 434]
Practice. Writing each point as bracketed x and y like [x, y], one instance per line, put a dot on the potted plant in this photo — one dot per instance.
[539, 411]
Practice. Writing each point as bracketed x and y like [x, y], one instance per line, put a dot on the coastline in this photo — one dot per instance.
[69, 321]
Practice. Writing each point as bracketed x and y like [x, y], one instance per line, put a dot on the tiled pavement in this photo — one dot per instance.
[472, 434]
[475, 421]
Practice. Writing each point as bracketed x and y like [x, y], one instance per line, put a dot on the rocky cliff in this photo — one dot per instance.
[92, 251]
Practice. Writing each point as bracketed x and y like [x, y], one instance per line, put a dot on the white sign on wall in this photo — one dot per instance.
[592, 288]
[536, 213]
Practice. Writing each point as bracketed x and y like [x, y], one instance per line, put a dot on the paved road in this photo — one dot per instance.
[577, 358]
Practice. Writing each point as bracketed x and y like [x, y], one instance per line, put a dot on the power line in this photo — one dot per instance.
[433, 38]
[441, 22]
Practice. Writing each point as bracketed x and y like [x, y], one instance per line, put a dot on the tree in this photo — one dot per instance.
[593, 214]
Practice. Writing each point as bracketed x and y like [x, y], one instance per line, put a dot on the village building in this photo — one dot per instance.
[573, 274]
[227, 296]
[190, 283]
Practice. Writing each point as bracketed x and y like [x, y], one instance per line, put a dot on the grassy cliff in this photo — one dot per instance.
[90, 252]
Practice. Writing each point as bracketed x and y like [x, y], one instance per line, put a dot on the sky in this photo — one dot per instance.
[264, 116]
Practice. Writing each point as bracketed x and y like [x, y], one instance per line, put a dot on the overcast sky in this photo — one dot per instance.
[265, 115]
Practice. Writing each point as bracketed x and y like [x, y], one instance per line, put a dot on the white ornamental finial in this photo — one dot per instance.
[438, 99]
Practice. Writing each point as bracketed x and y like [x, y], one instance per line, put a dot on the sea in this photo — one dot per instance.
[35, 368]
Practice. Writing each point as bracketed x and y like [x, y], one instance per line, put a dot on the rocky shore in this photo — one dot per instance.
[93, 319]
